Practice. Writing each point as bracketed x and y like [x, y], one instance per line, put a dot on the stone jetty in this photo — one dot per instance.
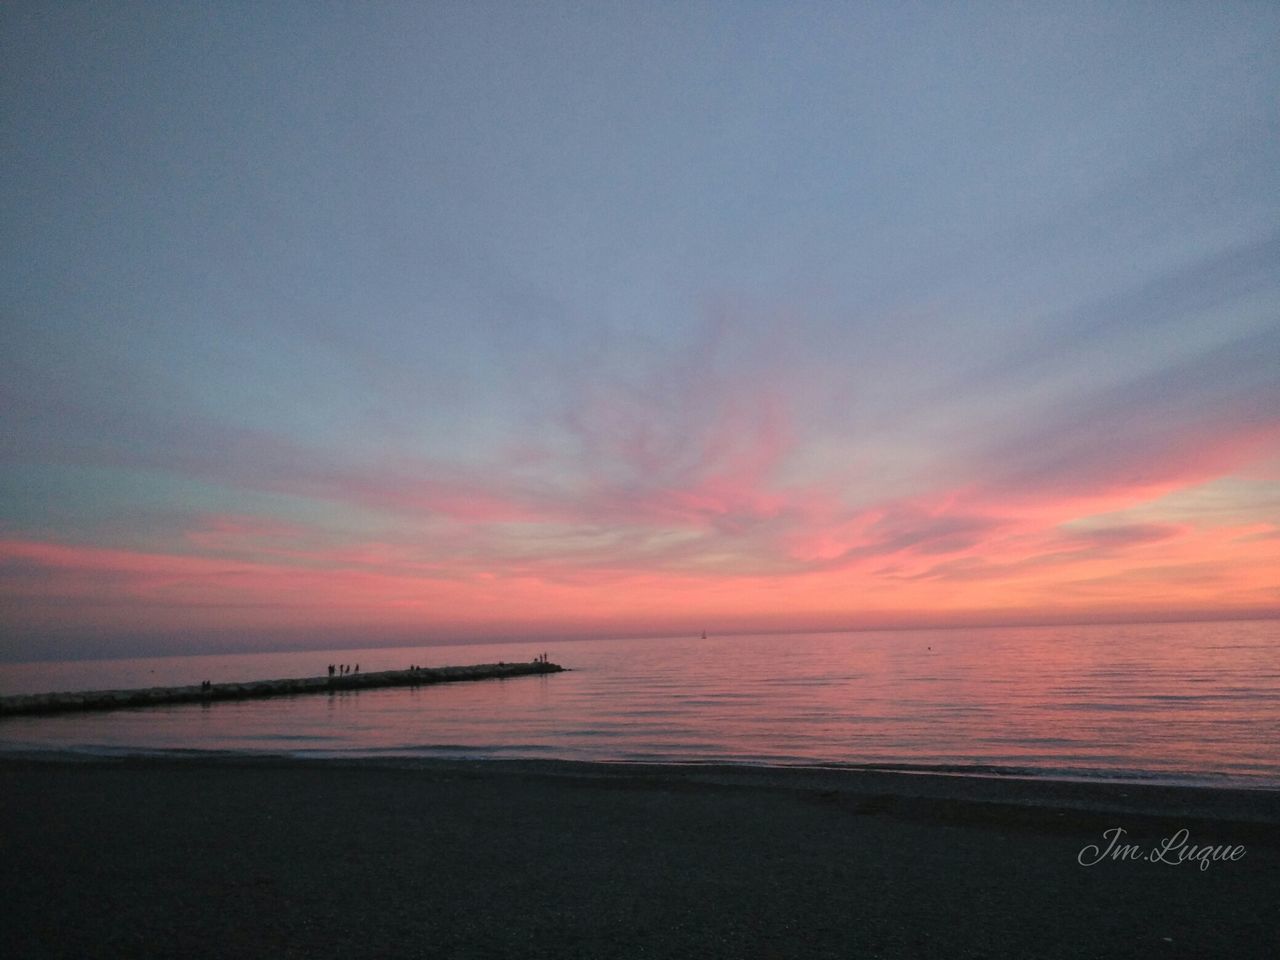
[38, 703]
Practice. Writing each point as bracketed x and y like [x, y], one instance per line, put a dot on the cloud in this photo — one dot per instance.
[1154, 307]
[1125, 535]
[1171, 429]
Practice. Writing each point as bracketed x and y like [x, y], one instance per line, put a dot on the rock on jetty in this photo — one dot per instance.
[155, 696]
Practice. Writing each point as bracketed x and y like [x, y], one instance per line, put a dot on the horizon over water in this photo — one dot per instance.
[1177, 702]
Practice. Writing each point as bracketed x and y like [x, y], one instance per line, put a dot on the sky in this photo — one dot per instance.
[345, 323]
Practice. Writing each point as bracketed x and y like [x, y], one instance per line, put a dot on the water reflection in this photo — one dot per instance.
[1172, 700]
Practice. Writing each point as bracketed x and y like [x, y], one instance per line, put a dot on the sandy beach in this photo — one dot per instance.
[235, 858]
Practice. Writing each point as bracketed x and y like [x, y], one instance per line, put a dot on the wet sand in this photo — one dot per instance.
[244, 858]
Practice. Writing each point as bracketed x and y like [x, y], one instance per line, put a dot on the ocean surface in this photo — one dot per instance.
[1187, 703]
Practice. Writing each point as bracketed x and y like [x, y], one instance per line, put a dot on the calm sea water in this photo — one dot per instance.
[1176, 702]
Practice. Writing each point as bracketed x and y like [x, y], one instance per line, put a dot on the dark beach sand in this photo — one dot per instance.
[244, 858]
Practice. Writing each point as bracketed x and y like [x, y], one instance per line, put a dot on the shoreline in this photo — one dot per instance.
[1233, 802]
[235, 856]
[1103, 777]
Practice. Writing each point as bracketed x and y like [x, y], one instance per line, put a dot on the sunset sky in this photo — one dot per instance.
[336, 323]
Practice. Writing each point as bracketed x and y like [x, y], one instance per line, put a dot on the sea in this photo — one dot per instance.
[1191, 703]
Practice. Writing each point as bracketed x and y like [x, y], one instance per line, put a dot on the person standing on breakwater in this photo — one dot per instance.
[331, 671]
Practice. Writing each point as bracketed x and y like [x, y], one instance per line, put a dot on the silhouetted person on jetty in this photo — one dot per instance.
[357, 670]
[331, 670]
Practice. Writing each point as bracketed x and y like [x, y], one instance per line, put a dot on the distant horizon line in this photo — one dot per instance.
[695, 634]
